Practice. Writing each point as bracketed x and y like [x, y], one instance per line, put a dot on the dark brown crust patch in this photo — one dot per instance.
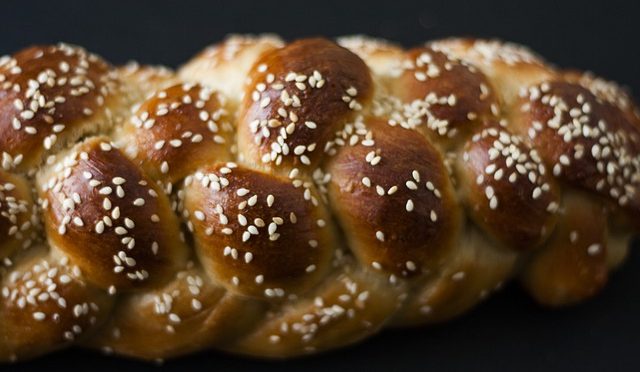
[46, 94]
[584, 140]
[507, 189]
[178, 130]
[297, 97]
[448, 95]
[257, 233]
[394, 200]
[110, 219]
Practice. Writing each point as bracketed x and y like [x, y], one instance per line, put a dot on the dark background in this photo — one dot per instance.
[509, 331]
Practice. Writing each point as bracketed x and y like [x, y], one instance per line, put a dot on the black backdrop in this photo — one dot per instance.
[508, 332]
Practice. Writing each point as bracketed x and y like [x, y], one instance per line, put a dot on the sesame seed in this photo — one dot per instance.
[164, 167]
[248, 257]
[536, 193]
[39, 316]
[493, 202]
[129, 223]
[118, 180]
[409, 205]
[105, 190]
[594, 249]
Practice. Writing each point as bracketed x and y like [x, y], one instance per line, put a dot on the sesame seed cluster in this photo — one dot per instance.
[278, 199]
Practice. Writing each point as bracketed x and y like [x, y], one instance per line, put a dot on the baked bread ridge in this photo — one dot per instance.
[278, 199]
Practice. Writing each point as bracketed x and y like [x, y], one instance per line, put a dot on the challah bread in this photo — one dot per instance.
[277, 199]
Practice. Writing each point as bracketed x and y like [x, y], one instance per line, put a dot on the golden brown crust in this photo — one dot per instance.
[383, 57]
[572, 265]
[52, 95]
[225, 66]
[187, 314]
[474, 269]
[583, 140]
[508, 66]
[109, 218]
[445, 94]
[18, 217]
[140, 81]
[46, 304]
[177, 130]
[607, 91]
[507, 188]
[392, 196]
[297, 97]
[487, 52]
[256, 233]
[347, 307]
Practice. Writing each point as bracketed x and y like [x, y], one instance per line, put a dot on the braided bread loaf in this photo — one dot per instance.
[278, 199]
